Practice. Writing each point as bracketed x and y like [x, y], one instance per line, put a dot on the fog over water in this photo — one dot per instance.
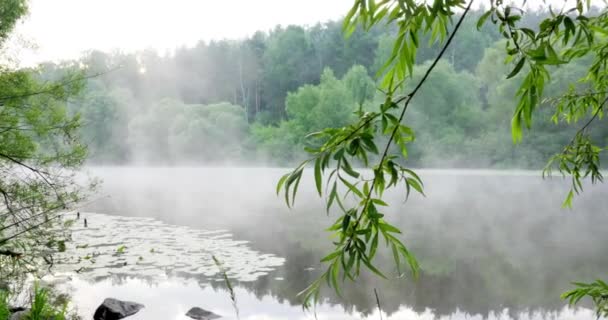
[189, 112]
[491, 244]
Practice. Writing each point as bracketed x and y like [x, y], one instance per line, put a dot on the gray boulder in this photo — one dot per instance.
[113, 309]
[201, 314]
[19, 315]
[16, 309]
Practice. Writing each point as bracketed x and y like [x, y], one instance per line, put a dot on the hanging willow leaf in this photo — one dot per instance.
[518, 68]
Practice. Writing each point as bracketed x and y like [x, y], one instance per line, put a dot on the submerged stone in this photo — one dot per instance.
[20, 315]
[201, 314]
[113, 309]
[16, 309]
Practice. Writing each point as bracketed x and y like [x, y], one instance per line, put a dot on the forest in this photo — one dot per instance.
[254, 100]
[162, 178]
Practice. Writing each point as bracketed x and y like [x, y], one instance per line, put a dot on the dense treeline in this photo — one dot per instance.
[255, 99]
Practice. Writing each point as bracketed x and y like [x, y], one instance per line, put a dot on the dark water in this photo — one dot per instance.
[492, 245]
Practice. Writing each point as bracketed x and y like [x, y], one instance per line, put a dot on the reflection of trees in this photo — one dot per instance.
[484, 242]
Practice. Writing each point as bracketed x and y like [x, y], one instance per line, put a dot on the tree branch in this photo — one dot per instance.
[41, 174]
[3, 241]
[408, 99]
[595, 115]
[55, 87]
[586, 125]
[33, 216]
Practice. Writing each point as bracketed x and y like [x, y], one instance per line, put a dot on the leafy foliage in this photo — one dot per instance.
[560, 39]
[461, 117]
[598, 291]
[5, 311]
[359, 227]
[12, 11]
[313, 108]
[41, 307]
[39, 155]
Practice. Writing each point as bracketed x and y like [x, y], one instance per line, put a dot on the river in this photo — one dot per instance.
[491, 244]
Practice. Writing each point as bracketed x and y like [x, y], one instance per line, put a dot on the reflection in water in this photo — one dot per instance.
[172, 298]
[486, 241]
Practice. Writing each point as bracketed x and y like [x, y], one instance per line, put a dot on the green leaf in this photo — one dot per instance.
[413, 174]
[369, 143]
[538, 54]
[374, 246]
[518, 68]
[411, 260]
[372, 212]
[352, 188]
[396, 257]
[335, 273]
[295, 188]
[483, 19]
[331, 256]
[348, 169]
[379, 202]
[414, 184]
[348, 25]
[568, 201]
[318, 177]
[332, 196]
[371, 267]
[516, 132]
[388, 228]
[281, 182]
[346, 222]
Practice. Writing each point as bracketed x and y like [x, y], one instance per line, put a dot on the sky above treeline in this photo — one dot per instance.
[64, 29]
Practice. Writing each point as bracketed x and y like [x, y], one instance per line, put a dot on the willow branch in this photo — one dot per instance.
[595, 115]
[408, 98]
[587, 124]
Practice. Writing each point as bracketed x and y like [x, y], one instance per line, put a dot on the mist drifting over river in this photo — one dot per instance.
[487, 241]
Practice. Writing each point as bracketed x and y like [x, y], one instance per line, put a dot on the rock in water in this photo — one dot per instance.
[201, 314]
[20, 315]
[113, 309]
[16, 309]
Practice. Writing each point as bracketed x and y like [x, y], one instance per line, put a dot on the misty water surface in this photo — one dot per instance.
[491, 244]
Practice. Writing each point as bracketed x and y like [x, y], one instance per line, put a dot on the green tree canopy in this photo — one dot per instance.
[39, 155]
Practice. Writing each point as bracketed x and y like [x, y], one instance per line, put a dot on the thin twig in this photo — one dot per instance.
[584, 127]
[408, 99]
[378, 303]
[595, 114]
[2, 241]
[228, 284]
[8, 213]
[38, 172]
[6, 201]
[33, 217]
